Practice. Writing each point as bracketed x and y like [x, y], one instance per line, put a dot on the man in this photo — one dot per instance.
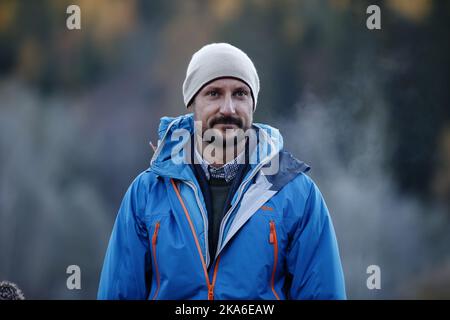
[223, 211]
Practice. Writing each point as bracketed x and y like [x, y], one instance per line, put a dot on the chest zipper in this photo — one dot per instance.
[274, 241]
[210, 285]
[154, 242]
[213, 284]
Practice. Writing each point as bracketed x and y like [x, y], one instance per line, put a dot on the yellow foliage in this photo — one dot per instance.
[414, 10]
[7, 14]
[225, 10]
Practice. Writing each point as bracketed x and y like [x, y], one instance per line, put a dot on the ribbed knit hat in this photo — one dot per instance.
[219, 60]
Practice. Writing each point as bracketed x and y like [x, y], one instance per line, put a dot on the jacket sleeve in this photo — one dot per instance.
[127, 266]
[313, 257]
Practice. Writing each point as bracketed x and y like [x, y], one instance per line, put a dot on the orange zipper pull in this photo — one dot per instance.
[272, 233]
[211, 292]
[155, 234]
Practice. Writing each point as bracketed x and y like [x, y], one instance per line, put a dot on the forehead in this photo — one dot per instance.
[226, 83]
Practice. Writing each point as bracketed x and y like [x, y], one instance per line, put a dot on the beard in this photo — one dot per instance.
[224, 134]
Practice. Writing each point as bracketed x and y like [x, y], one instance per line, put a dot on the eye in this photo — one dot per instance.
[212, 93]
[241, 93]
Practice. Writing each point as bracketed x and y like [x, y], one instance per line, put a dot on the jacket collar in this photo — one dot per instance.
[170, 133]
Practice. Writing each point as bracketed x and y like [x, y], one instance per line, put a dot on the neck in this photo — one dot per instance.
[216, 155]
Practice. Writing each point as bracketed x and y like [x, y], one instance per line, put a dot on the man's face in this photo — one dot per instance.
[224, 105]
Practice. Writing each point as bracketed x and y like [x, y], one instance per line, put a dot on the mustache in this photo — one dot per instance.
[226, 120]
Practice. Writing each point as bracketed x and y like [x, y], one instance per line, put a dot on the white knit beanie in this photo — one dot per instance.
[218, 60]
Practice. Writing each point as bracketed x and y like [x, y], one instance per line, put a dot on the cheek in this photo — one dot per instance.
[247, 114]
[204, 117]
[250, 118]
[209, 113]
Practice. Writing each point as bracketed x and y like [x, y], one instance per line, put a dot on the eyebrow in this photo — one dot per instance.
[218, 88]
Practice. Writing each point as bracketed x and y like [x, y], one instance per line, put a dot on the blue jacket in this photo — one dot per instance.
[276, 241]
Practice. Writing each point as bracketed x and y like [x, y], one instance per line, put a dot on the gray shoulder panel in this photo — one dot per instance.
[289, 168]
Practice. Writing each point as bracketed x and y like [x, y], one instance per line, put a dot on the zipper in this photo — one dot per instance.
[204, 216]
[213, 284]
[274, 241]
[154, 241]
[210, 285]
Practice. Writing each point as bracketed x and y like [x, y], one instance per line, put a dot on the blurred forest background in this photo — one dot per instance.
[368, 110]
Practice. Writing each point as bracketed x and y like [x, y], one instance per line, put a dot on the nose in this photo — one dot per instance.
[227, 106]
